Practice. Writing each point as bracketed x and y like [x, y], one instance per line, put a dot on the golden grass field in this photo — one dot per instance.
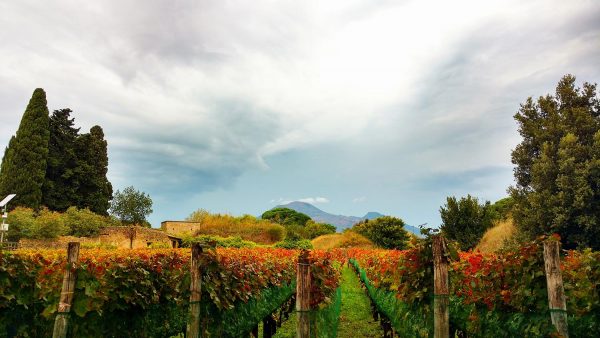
[494, 238]
[347, 239]
[247, 227]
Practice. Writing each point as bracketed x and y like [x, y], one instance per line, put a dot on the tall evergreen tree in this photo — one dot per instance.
[95, 191]
[24, 163]
[558, 165]
[61, 184]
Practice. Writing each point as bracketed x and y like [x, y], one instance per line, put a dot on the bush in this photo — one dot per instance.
[314, 230]
[294, 244]
[24, 222]
[222, 242]
[20, 221]
[84, 223]
[386, 232]
[465, 220]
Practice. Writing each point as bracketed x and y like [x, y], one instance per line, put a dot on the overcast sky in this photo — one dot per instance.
[356, 106]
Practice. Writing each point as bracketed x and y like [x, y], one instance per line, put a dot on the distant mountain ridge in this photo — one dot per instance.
[341, 222]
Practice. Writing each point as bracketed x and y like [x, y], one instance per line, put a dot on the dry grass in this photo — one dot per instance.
[346, 239]
[247, 227]
[494, 238]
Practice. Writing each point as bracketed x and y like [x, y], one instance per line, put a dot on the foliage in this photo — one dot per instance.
[386, 232]
[294, 244]
[286, 216]
[220, 242]
[84, 223]
[95, 191]
[313, 229]
[248, 227]
[47, 163]
[27, 223]
[61, 182]
[131, 206]
[24, 163]
[557, 169]
[502, 209]
[492, 293]
[145, 292]
[465, 220]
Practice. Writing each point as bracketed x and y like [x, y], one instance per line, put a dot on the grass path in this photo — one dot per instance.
[355, 317]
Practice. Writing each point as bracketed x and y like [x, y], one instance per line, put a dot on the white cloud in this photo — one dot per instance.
[313, 200]
[205, 91]
[359, 199]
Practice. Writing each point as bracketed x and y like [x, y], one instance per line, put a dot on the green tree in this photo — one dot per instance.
[465, 220]
[61, 183]
[313, 229]
[386, 232]
[131, 206]
[94, 191]
[286, 216]
[25, 159]
[557, 165]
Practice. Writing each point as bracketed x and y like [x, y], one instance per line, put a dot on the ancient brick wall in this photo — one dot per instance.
[180, 227]
[119, 237]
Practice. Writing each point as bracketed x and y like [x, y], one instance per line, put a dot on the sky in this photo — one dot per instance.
[352, 105]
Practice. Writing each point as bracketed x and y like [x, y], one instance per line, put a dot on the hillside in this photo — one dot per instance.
[341, 222]
[494, 238]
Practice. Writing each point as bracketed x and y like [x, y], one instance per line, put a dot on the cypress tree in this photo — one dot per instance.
[61, 184]
[24, 163]
[95, 191]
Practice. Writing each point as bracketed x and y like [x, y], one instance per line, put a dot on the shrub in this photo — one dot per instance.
[386, 232]
[465, 220]
[294, 244]
[84, 223]
[21, 220]
[222, 242]
[314, 230]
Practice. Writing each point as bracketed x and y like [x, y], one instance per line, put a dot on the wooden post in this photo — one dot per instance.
[194, 327]
[441, 314]
[556, 292]
[61, 323]
[303, 296]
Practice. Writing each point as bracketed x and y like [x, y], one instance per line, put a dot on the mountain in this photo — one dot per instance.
[341, 222]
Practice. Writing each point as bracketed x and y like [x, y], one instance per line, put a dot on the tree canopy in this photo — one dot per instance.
[25, 159]
[47, 163]
[387, 232]
[286, 216]
[95, 191]
[557, 165]
[61, 183]
[465, 220]
[131, 206]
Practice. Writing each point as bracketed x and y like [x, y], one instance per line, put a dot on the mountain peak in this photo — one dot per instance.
[341, 222]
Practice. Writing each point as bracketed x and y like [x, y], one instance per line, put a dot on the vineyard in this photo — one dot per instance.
[146, 292]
